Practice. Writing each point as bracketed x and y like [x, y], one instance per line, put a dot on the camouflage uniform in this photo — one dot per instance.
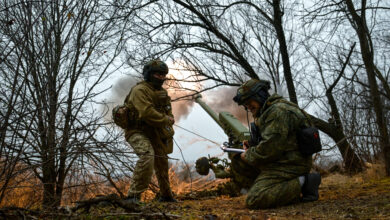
[150, 135]
[244, 174]
[277, 155]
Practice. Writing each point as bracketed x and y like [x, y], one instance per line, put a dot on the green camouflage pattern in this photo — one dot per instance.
[272, 191]
[244, 174]
[245, 91]
[143, 171]
[277, 155]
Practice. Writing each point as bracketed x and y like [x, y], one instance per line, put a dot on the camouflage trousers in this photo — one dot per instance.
[149, 158]
[244, 175]
[270, 191]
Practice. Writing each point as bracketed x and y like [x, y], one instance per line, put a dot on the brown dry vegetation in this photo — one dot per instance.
[362, 196]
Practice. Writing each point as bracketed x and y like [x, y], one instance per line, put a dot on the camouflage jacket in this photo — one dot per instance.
[150, 108]
[277, 154]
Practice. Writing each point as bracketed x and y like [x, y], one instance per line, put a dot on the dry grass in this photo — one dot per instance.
[363, 196]
[180, 187]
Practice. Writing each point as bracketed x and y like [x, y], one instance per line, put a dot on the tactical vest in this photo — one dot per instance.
[161, 102]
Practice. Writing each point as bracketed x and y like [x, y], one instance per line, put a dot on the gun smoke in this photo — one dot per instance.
[221, 100]
[121, 89]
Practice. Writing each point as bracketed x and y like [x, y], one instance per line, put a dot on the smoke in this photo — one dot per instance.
[119, 91]
[194, 140]
[123, 85]
[180, 108]
[221, 100]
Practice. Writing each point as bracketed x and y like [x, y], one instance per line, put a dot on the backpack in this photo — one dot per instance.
[121, 114]
[308, 137]
[309, 141]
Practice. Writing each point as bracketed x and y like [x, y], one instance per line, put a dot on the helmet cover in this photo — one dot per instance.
[154, 66]
[250, 89]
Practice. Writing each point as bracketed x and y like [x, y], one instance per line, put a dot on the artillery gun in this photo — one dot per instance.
[236, 133]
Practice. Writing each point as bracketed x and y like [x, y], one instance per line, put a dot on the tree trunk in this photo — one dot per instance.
[277, 23]
[360, 25]
[49, 183]
[352, 162]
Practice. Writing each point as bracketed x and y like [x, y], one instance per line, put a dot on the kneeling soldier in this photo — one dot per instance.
[284, 170]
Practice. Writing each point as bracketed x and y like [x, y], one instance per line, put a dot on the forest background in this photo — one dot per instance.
[59, 59]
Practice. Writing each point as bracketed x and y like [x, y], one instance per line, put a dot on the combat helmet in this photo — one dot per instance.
[252, 89]
[154, 66]
[202, 166]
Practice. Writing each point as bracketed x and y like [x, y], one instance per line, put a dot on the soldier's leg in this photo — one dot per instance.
[272, 192]
[243, 173]
[143, 170]
[161, 169]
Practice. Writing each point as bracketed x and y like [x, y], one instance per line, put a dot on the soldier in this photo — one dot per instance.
[150, 133]
[284, 170]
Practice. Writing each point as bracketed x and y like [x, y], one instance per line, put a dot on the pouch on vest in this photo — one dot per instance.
[308, 137]
[122, 115]
[164, 106]
[309, 141]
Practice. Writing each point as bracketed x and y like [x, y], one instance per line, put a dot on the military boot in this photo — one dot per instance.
[310, 187]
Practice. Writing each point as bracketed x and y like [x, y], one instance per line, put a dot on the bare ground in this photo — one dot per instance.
[363, 196]
[341, 197]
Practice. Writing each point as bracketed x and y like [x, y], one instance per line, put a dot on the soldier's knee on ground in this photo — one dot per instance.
[265, 194]
[261, 200]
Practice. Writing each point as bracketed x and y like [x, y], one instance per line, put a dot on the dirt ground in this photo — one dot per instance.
[363, 196]
[341, 197]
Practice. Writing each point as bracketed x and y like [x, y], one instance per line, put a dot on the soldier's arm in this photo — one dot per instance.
[274, 136]
[146, 109]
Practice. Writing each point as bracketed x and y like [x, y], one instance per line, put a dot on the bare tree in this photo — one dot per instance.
[12, 87]
[364, 21]
[229, 42]
[59, 54]
[351, 160]
[359, 23]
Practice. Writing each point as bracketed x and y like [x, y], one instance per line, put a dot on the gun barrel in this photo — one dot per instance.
[198, 99]
[231, 125]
